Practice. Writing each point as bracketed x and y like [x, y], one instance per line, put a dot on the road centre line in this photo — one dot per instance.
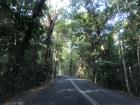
[84, 94]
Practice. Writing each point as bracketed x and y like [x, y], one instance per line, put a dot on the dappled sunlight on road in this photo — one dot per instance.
[15, 103]
[65, 90]
[91, 91]
[69, 90]
[76, 79]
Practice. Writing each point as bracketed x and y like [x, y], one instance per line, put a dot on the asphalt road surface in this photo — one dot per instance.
[69, 90]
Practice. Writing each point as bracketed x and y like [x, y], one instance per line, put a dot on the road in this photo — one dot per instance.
[74, 91]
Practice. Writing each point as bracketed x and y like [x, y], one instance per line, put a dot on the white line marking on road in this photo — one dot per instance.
[84, 94]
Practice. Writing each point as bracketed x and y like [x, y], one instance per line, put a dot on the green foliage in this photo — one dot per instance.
[99, 42]
[93, 39]
[31, 70]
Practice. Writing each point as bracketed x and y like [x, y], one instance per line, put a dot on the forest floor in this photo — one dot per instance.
[19, 97]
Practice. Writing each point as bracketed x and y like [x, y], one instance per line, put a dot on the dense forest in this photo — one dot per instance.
[94, 39]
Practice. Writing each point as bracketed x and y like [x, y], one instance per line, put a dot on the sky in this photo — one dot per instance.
[58, 4]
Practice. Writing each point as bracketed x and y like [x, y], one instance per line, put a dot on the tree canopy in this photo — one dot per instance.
[94, 39]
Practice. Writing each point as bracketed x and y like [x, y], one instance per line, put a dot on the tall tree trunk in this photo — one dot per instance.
[95, 78]
[125, 69]
[138, 51]
[70, 67]
[28, 33]
[49, 54]
[132, 78]
[25, 42]
[49, 42]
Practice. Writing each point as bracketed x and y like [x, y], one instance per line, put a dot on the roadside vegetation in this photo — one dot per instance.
[94, 39]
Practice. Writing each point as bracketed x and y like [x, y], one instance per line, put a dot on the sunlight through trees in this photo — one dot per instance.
[94, 39]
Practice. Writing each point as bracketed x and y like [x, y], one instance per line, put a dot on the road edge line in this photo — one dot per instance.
[84, 94]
